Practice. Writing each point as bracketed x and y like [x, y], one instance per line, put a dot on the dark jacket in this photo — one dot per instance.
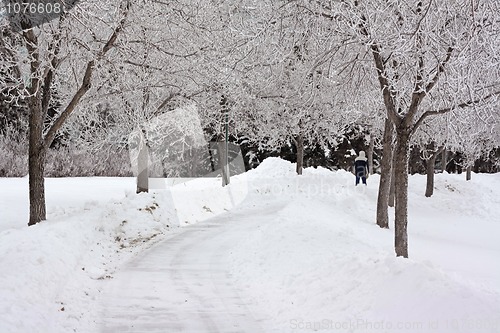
[360, 168]
[361, 165]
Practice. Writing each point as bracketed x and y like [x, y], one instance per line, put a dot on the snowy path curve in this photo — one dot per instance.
[183, 284]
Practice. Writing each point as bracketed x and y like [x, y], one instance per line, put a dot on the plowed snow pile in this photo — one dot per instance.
[318, 263]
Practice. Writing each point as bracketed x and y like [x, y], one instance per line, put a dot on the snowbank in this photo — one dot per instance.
[317, 264]
[320, 263]
[51, 274]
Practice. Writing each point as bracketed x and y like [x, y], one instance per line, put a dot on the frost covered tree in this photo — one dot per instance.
[155, 60]
[129, 55]
[62, 54]
[179, 57]
[474, 133]
[285, 79]
[431, 141]
[423, 71]
[429, 57]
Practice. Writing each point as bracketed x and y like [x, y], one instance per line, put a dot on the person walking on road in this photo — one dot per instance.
[361, 168]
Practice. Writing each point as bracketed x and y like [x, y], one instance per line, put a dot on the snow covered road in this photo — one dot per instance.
[183, 283]
[273, 252]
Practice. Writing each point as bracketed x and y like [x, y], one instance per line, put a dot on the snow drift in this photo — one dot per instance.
[318, 263]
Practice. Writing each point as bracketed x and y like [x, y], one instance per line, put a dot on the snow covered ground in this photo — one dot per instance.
[302, 254]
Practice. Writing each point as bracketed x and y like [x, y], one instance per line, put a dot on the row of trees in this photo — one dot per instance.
[420, 73]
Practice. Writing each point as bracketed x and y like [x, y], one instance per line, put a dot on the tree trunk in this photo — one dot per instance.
[36, 159]
[392, 193]
[385, 177]
[222, 148]
[444, 160]
[36, 162]
[36, 186]
[468, 173]
[37, 148]
[371, 148]
[300, 153]
[212, 158]
[224, 145]
[402, 152]
[142, 164]
[430, 168]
